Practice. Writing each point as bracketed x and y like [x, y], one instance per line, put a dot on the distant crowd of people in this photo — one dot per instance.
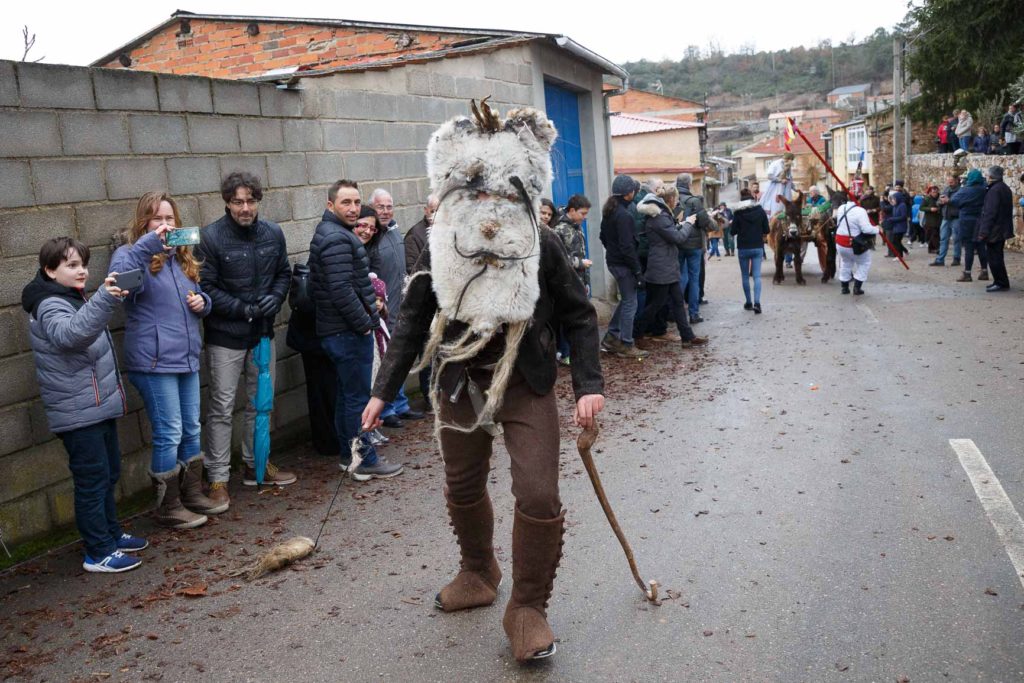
[959, 133]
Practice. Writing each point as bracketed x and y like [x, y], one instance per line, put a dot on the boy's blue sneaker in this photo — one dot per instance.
[131, 544]
[113, 563]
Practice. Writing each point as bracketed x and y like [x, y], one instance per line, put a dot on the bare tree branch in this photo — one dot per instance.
[29, 44]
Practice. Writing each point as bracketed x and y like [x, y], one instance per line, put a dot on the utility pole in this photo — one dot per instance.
[833, 50]
[897, 114]
[775, 82]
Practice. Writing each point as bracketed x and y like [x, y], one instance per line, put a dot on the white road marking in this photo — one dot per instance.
[1008, 524]
[868, 313]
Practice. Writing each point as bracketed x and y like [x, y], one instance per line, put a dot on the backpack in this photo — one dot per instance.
[300, 294]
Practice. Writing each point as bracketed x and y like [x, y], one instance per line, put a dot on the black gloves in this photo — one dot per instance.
[267, 306]
[252, 311]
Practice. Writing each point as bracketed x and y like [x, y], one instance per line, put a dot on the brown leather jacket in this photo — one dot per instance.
[563, 301]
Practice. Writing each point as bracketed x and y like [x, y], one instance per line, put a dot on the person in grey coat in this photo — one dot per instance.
[665, 238]
[82, 393]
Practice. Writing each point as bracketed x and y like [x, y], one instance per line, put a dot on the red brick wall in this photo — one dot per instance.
[223, 49]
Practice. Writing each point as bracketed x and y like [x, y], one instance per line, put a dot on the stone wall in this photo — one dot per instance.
[932, 169]
[81, 145]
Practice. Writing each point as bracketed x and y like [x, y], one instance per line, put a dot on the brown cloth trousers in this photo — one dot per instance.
[531, 437]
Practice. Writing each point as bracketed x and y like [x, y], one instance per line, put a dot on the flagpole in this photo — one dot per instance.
[845, 188]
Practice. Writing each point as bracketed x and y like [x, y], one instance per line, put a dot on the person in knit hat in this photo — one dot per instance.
[618, 235]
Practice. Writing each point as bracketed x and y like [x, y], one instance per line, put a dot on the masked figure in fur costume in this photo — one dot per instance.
[481, 309]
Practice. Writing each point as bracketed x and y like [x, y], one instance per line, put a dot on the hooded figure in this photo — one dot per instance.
[481, 309]
[780, 182]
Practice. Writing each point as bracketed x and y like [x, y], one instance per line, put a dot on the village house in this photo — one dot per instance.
[645, 147]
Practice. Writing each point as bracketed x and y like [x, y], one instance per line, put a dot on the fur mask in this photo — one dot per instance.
[489, 174]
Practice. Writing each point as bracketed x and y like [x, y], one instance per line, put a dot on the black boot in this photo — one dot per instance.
[845, 287]
[857, 291]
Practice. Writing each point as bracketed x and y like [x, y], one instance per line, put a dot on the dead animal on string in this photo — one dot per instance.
[299, 547]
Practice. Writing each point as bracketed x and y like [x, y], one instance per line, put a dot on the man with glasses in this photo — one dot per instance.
[246, 273]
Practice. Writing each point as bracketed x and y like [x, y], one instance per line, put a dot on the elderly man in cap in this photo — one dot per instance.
[996, 226]
[618, 235]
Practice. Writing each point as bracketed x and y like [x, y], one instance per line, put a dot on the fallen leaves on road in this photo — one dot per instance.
[196, 590]
[991, 591]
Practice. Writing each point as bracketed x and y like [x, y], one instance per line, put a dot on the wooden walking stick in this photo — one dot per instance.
[584, 443]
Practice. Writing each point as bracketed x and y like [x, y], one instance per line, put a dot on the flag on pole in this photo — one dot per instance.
[789, 135]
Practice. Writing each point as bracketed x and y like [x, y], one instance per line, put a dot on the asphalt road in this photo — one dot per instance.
[792, 489]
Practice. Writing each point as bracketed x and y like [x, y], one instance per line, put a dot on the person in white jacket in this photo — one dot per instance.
[852, 221]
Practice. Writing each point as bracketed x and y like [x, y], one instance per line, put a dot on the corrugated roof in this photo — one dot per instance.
[850, 89]
[633, 124]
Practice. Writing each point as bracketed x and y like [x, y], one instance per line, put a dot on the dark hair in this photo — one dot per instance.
[57, 249]
[551, 205]
[609, 206]
[746, 194]
[577, 202]
[237, 179]
[332, 191]
[368, 210]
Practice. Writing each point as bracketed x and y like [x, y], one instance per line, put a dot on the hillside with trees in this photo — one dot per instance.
[753, 75]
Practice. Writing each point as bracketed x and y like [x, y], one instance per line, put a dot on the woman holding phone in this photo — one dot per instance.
[162, 344]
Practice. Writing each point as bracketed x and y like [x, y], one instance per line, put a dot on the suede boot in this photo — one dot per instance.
[477, 582]
[169, 510]
[192, 496]
[536, 551]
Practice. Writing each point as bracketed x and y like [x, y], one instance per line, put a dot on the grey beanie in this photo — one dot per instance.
[623, 185]
[995, 172]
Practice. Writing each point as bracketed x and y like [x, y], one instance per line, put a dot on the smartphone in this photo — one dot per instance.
[128, 280]
[183, 237]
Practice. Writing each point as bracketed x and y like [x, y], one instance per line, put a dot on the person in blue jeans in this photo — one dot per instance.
[950, 227]
[618, 235]
[750, 226]
[82, 394]
[689, 271]
[346, 315]
[162, 345]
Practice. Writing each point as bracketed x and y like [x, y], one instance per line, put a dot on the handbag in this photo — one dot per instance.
[300, 295]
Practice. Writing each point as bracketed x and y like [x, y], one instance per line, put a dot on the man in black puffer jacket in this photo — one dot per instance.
[346, 315]
[246, 273]
[618, 235]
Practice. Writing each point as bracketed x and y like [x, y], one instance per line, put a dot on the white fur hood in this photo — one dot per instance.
[651, 205]
[743, 205]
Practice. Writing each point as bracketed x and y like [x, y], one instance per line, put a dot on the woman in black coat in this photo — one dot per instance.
[749, 227]
[664, 237]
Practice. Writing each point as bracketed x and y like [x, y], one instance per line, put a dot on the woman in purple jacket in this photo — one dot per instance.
[162, 344]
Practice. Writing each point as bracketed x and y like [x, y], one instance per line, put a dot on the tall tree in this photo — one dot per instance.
[963, 54]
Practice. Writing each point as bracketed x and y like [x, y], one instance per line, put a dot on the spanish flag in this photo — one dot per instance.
[789, 135]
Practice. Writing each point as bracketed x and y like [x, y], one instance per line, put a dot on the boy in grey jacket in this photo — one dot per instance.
[82, 393]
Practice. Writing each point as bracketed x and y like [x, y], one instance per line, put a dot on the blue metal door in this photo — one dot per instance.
[563, 109]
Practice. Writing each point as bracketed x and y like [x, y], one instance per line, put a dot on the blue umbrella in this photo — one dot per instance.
[263, 403]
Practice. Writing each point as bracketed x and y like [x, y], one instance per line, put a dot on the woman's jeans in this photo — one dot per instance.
[689, 271]
[621, 325]
[713, 249]
[94, 459]
[172, 404]
[750, 267]
[965, 143]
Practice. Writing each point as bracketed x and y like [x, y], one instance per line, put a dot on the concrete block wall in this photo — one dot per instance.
[80, 145]
[931, 169]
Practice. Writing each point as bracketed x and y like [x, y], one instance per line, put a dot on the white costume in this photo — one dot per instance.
[780, 181]
[852, 220]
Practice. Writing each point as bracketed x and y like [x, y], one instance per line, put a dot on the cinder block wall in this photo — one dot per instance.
[931, 169]
[80, 145]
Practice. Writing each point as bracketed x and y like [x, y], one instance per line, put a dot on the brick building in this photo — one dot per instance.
[657, 106]
[81, 144]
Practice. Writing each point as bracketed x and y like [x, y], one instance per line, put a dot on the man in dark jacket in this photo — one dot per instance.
[618, 235]
[246, 274]
[415, 242]
[950, 227]
[996, 226]
[346, 315]
[691, 253]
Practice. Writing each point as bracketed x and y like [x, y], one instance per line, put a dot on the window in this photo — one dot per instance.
[856, 144]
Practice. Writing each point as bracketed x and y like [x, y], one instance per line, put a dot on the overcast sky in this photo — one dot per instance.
[82, 31]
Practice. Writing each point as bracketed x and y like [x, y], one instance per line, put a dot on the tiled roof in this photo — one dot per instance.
[850, 89]
[632, 124]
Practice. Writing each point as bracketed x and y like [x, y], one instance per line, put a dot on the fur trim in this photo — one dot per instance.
[650, 209]
[745, 204]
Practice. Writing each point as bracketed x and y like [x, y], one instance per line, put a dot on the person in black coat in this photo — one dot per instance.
[346, 315]
[246, 274]
[996, 226]
[664, 238]
[618, 235]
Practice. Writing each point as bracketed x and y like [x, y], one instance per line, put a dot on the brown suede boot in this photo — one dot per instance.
[477, 582]
[169, 510]
[192, 495]
[536, 550]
